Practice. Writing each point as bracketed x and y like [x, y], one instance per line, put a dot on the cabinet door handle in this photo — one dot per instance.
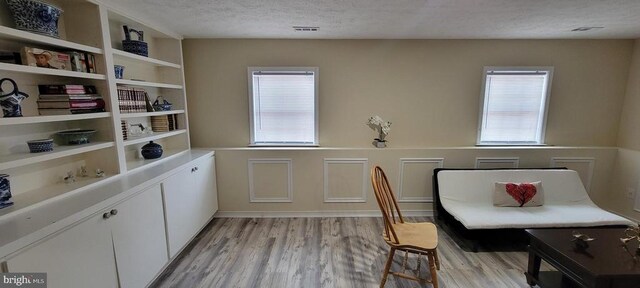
[114, 212]
[106, 215]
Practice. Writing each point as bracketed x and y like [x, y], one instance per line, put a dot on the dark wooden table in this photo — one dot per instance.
[605, 263]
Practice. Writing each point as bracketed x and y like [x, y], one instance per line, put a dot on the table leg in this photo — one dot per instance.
[533, 269]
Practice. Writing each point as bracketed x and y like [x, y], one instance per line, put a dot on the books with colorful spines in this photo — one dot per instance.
[68, 111]
[71, 104]
[67, 89]
[131, 100]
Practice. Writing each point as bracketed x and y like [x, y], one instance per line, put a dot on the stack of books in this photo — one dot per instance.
[69, 99]
[133, 100]
[164, 123]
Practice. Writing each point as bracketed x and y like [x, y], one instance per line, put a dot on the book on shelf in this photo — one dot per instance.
[46, 112]
[164, 123]
[132, 100]
[67, 89]
[71, 104]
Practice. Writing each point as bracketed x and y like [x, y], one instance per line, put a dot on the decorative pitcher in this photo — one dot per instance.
[10, 102]
[138, 47]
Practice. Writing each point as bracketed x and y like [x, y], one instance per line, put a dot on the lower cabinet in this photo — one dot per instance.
[125, 246]
[190, 199]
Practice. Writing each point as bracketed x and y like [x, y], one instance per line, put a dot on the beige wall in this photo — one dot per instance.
[429, 89]
[626, 173]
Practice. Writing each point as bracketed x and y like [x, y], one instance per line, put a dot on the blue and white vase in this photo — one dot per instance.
[35, 16]
[5, 191]
[11, 101]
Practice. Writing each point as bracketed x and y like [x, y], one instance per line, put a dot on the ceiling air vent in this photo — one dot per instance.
[306, 28]
[586, 28]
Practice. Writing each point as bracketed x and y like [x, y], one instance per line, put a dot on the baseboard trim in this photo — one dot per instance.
[315, 214]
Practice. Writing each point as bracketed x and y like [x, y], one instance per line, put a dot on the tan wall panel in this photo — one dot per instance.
[416, 183]
[346, 180]
[584, 167]
[486, 163]
[270, 180]
[429, 89]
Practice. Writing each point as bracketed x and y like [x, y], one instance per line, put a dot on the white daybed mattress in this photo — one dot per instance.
[467, 196]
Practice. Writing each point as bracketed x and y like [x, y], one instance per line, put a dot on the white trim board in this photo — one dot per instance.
[316, 214]
[252, 195]
[403, 161]
[365, 167]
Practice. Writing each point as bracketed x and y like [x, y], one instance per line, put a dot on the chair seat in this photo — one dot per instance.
[421, 236]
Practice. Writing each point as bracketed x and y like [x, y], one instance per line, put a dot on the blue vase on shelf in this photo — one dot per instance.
[5, 191]
[151, 150]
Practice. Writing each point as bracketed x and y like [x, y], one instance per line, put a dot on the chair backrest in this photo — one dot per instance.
[387, 203]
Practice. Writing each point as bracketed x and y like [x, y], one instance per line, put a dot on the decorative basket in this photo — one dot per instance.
[35, 16]
[75, 137]
[138, 47]
[40, 145]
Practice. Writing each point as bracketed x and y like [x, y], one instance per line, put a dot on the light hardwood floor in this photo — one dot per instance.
[323, 252]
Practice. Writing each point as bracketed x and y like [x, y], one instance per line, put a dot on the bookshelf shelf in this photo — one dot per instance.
[155, 136]
[139, 163]
[55, 118]
[157, 62]
[26, 158]
[28, 37]
[147, 84]
[47, 71]
[148, 114]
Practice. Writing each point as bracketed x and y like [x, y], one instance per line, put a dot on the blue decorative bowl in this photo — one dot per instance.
[76, 137]
[151, 150]
[35, 16]
[40, 145]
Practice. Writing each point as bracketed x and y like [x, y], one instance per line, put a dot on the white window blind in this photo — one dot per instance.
[283, 106]
[514, 106]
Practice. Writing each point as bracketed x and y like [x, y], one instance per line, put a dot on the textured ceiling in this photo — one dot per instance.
[393, 19]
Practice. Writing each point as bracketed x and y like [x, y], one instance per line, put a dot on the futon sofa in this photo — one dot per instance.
[464, 203]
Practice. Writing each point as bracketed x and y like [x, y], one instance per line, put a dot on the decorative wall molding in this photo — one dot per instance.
[339, 161]
[252, 189]
[315, 214]
[509, 162]
[439, 163]
[567, 161]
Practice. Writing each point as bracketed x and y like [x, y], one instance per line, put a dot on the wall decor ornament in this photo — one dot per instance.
[11, 101]
[138, 47]
[5, 191]
[35, 16]
[382, 127]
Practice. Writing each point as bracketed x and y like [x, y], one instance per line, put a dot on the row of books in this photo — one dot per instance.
[69, 99]
[164, 123]
[133, 100]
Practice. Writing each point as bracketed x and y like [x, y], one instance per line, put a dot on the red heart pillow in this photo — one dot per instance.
[512, 194]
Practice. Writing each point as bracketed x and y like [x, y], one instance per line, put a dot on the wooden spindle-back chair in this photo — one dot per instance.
[415, 238]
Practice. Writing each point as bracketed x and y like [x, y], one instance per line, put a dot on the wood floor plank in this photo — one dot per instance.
[326, 253]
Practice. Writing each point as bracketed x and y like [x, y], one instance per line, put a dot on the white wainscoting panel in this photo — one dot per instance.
[497, 162]
[415, 182]
[345, 179]
[583, 165]
[270, 180]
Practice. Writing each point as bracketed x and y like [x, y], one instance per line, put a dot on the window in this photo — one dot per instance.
[283, 106]
[514, 105]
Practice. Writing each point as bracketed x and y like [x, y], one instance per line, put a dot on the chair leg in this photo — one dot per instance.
[387, 266]
[432, 266]
[435, 253]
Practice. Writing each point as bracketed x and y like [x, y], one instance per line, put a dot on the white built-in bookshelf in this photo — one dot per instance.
[90, 26]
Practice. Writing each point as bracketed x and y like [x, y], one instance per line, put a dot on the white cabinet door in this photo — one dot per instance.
[81, 256]
[205, 174]
[139, 238]
[181, 208]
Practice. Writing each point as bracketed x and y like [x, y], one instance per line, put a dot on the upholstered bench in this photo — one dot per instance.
[464, 202]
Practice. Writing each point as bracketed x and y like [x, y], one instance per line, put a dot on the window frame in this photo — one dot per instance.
[316, 77]
[484, 104]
